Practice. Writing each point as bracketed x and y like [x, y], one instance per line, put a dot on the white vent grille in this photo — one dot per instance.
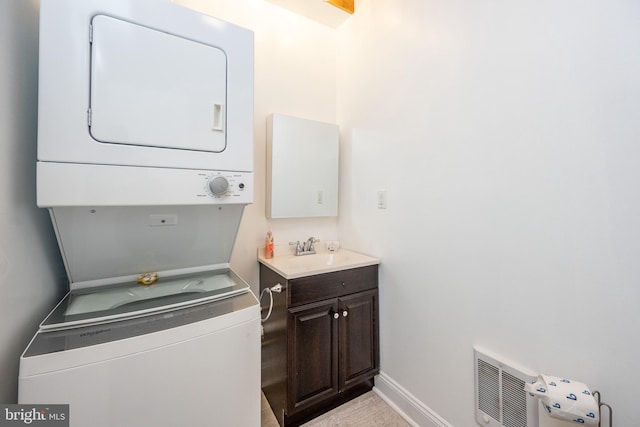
[514, 401]
[500, 397]
[488, 389]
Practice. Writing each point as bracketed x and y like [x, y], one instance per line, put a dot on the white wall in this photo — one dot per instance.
[506, 136]
[295, 74]
[31, 273]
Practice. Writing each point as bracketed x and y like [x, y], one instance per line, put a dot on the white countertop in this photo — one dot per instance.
[290, 266]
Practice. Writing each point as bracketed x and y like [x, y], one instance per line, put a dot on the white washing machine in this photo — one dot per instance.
[183, 352]
[145, 163]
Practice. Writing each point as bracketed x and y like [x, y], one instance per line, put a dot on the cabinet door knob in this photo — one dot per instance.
[336, 315]
[345, 313]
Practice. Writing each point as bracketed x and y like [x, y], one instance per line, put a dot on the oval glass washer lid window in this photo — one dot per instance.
[98, 305]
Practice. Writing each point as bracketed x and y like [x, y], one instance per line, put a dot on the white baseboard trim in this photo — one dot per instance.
[411, 409]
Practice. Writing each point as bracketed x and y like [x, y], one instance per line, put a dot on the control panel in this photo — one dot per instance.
[225, 185]
[107, 185]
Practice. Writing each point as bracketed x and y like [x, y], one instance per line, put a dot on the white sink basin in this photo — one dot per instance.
[291, 266]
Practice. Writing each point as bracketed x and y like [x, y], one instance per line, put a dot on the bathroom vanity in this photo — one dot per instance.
[320, 345]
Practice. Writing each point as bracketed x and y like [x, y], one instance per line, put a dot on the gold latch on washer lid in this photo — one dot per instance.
[148, 279]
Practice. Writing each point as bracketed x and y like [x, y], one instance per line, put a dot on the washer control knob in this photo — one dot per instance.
[219, 185]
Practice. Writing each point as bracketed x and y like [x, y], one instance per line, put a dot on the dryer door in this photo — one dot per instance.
[129, 62]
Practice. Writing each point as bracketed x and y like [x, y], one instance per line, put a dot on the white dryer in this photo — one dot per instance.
[143, 83]
[145, 163]
[142, 102]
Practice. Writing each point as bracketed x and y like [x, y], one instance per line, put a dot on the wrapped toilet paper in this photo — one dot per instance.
[566, 399]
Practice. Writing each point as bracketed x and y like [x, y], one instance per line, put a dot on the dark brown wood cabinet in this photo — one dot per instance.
[320, 344]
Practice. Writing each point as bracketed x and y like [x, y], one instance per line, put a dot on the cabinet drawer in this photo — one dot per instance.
[331, 285]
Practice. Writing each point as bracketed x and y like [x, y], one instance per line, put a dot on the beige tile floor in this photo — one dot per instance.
[367, 410]
[268, 419]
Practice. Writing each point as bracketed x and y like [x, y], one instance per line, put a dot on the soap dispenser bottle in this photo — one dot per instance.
[268, 246]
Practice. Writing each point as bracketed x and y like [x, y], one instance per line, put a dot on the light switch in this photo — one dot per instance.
[382, 199]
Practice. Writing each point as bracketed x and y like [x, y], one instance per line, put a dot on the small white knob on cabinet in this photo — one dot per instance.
[336, 315]
[345, 313]
[219, 185]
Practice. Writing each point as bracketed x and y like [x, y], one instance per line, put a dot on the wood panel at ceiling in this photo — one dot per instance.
[329, 12]
[346, 5]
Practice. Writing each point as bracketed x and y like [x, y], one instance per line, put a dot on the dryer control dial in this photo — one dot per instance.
[219, 185]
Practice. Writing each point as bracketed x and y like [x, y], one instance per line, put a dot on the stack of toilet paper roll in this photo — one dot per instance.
[566, 399]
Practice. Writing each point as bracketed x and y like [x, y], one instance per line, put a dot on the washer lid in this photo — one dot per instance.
[215, 316]
[126, 300]
[105, 245]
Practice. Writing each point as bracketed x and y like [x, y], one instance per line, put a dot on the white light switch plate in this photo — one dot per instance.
[382, 199]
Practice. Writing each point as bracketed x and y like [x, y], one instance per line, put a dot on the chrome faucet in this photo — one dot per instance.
[308, 247]
[305, 248]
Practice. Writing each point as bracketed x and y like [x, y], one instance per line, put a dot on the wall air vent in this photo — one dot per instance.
[500, 397]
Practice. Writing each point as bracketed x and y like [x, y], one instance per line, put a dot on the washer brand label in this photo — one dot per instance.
[94, 333]
[34, 415]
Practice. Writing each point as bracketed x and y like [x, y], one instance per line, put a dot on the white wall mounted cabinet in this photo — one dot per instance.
[302, 168]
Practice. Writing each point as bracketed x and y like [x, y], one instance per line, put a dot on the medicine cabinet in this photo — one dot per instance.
[302, 168]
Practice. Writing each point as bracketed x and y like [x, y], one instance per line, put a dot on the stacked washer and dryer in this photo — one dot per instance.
[145, 160]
